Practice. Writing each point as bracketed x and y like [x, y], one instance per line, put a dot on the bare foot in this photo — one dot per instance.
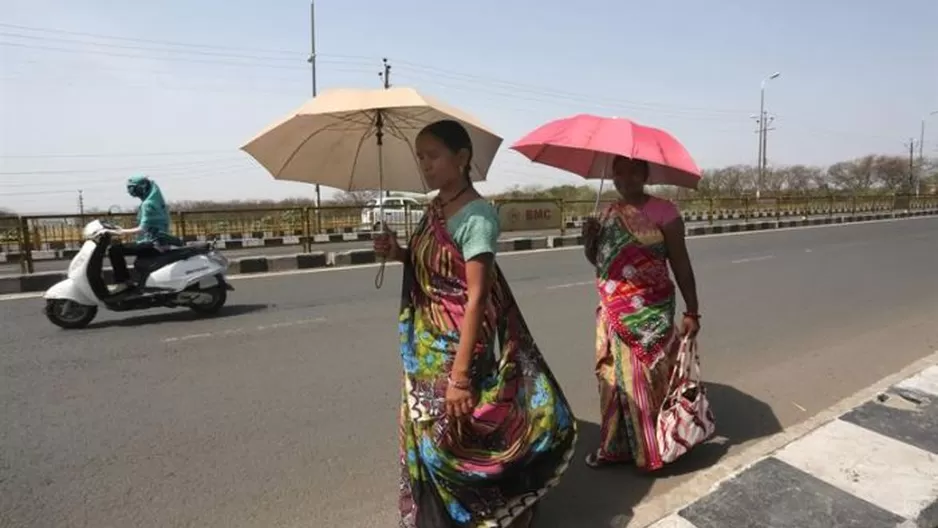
[596, 461]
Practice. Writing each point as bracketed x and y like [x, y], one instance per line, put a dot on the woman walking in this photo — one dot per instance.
[483, 434]
[630, 246]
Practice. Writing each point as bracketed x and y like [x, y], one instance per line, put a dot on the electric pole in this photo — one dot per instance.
[312, 63]
[759, 121]
[762, 132]
[763, 121]
[911, 164]
[81, 203]
[921, 154]
[386, 73]
[921, 160]
[767, 119]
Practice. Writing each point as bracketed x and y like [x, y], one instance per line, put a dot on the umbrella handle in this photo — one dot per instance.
[379, 278]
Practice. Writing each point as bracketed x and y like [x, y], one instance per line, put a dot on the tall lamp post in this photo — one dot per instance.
[921, 153]
[763, 129]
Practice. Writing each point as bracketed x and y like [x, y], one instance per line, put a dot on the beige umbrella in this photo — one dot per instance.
[363, 140]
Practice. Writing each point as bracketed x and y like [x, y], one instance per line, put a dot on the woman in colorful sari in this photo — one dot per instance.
[631, 245]
[485, 430]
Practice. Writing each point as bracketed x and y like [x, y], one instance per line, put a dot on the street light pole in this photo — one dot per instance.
[312, 63]
[763, 125]
[921, 153]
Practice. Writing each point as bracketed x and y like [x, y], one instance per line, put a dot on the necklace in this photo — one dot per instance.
[444, 203]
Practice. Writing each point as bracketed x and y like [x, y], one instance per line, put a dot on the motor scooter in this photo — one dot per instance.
[192, 277]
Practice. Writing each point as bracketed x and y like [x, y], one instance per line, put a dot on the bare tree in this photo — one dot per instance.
[929, 176]
[356, 197]
[892, 172]
[801, 179]
[854, 176]
[775, 180]
[731, 181]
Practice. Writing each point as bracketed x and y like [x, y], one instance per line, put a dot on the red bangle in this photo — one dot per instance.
[692, 315]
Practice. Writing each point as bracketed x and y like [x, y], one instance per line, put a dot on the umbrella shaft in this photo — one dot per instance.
[379, 137]
[599, 194]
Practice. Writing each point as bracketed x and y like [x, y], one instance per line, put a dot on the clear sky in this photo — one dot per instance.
[188, 81]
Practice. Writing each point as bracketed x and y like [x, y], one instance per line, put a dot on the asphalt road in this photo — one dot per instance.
[61, 265]
[281, 412]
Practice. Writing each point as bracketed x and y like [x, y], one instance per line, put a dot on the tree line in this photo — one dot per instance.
[866, 175]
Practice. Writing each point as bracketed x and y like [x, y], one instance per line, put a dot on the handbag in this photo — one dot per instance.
[685, 418]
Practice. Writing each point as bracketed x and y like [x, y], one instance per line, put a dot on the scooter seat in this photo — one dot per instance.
[150, 264]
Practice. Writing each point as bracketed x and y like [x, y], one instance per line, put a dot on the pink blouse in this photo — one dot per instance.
[660, 211]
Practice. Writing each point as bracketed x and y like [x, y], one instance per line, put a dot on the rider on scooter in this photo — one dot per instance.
[152, 230]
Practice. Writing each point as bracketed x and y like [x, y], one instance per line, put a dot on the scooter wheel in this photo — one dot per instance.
[69, 314]
[219, 297]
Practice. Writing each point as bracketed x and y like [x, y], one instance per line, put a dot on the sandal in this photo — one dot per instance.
[597, 461]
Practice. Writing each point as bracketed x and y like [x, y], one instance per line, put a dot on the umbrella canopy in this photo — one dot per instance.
[586, 145]
[333, 140]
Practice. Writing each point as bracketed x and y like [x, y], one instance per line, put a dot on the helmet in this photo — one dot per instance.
[139, 186]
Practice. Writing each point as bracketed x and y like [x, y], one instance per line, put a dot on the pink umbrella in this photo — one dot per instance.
[585, 144]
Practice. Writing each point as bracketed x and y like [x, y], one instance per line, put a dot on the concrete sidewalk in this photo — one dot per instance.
[874, 466]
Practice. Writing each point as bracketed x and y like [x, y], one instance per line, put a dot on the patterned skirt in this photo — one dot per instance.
[488, 470]
[630, 397]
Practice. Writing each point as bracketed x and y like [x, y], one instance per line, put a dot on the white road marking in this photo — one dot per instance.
[753, 259]
[515, 254]
[673, 521]
[19, 296]
[237, 331]
[859, 461]
[570, 285]
[926, 381]
[703, 481]
[800, 408]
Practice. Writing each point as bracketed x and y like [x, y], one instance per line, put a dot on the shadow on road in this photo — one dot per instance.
[180, 316]
[600, 498]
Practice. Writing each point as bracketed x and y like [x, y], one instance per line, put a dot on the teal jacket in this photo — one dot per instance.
[153, 217]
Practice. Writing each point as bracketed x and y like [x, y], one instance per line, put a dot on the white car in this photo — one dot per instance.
[400, 212]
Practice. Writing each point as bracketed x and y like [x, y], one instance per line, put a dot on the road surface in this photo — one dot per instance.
[281, 412]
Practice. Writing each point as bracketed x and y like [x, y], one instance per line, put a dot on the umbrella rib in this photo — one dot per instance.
[391, 122]
[372, 128]
[306, 140]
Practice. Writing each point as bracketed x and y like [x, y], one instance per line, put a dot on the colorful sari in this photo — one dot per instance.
[487, 470]
[636, 340]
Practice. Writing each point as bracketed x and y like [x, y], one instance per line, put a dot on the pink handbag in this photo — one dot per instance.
[685, 419]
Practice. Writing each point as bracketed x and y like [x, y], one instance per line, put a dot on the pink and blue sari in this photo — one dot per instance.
[486, 470]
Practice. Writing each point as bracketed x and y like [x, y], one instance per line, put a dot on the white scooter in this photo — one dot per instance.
[192, 277]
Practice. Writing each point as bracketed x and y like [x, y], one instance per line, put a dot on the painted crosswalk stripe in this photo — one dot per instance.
[875, 466]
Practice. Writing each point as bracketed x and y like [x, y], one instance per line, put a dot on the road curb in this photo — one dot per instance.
[27, 283]
[807, 451]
